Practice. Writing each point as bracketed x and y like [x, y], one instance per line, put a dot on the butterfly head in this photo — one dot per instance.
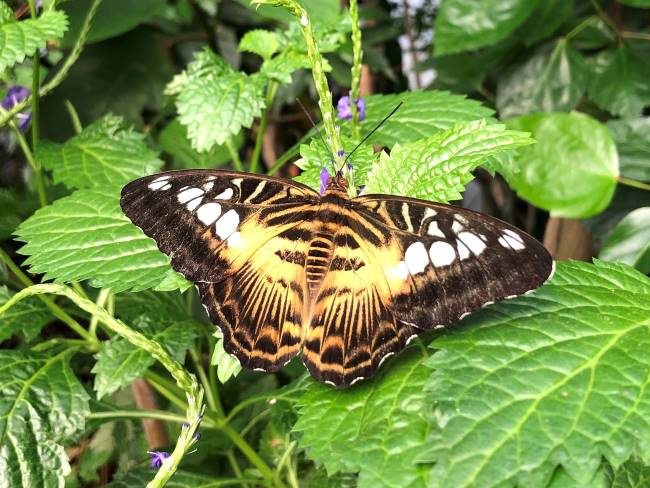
[338, 182]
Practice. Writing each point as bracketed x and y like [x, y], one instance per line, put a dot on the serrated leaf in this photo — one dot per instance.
[421, 114]
[85, 236]
[261, 42]
[619, 83]
[439, 167]
[572, 170]
[174, 141]
[119, 362]
[214, 102]
[181, 479]
[315, 157]
[26, 317]
[105, 153]
[629, 242]
[632, 137]
[557, 377]
[633, 474]
[376, 428]
[552, 79]
[228, 366]
[42, 405]
[463, 25]
[23, 38]
[281, 67]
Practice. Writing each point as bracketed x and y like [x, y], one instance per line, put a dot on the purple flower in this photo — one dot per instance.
[157, 458]
[324, 180]
[340, 153]
[345, 111]
[14, 96]
[197, 436]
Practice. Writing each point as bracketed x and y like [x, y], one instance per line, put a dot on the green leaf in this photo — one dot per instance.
[376, 428]
[165, 308]
[463, 25]
[15, 206]
[261, 42]
[24, 38]
[439, 167]
[26, 317]
[632, 138]
[281, 67]
[619, 83]
[86, 236]
[636, 3]
[315, 157]
[552, 79]
[214, 102]
[572, 169]
[547, 18]
[181, 479]
[174, 141]
[629, 242]
[594, 33]
[105, 153]
[556, 377]
[42, 405]
[119, 362]
[112, 18]
[421, 114]
[633, 474]
[228, 366]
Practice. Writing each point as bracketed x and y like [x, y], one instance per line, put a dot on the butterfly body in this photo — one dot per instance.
[346, 281]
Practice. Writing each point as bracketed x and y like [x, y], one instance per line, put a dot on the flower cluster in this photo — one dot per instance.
[345, 110]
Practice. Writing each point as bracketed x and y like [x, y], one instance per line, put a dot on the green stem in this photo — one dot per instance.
[357, 56]
[36, 83]
[185, 381]
[74, 117]
[271, 91]
[580, 27]
[146, 414]
[65, 68]
[636, 35]
[234, 155]
[603, 15]
[211, 398]
[166, 388]
[633, 183]
[232, 460]
[102, 298]
[58, 341]
[31, 160]
[57, 311]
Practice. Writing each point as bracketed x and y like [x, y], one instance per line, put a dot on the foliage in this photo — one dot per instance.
[538, 111]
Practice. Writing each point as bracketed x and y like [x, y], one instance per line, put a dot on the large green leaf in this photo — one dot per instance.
[547, 18]
[105, 153]
[113, 18]
[27, 317]
[421, 114]
[24, 38]
[376, 428]
[214, 101]
[632, 138]
[557, 377]
[119, 362]
[572, 169]
[42, 405]
[463, 25]
[439, 167]
[633, 474]
[629, 242]
[620, 82]
[552, 79]
[86, 236]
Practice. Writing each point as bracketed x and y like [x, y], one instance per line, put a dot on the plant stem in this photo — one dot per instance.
[147, 414]
[57, 311]
[357, 56]
[232, 460]
[36, 167]
[102, 298]
[211, 397]
[74, 117]
[185, 381]
[65, 68]
[271, 91]
[580, 27]
[234, 155]
[633, 183]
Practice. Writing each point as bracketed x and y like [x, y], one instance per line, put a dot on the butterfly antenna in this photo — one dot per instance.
[365, 138]
[320, 134]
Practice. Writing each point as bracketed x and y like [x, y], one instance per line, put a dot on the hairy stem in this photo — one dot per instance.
[271, 90]
[633, 183]
[234, 155]
[357, 56]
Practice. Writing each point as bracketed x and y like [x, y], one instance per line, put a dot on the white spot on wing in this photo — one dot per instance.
[355, 380]
[389, 354]
[168, 186]
[192, 204]
[514, 235]
[331, 383]
[442, 253]
[400, 271]
[508, 241]
[457, 227]
[208, 186]
[408, 341]
[227, 224]
[463, 250]
[189, 194]
[429, 212]
[416, 258]
[234, 240]
[225, 195]
[258, 189]
[406, 216]
[159, 183]
[434, 230]
[473, 242]
[209, 213]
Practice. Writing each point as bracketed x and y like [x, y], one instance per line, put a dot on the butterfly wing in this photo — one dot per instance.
[242, 239]
[405, 266]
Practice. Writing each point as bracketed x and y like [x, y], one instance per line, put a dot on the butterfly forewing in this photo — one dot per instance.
[349, 282]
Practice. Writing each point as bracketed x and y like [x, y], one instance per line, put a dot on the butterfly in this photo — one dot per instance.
[282, 269]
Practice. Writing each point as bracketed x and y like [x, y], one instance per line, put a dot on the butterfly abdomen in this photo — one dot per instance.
[318, 259]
